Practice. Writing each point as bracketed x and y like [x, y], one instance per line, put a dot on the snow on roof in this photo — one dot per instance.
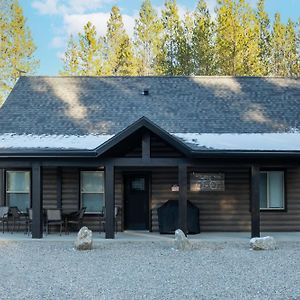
[242, 141]
[84, 142]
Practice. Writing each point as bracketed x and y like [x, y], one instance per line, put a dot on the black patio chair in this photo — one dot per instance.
[29, 220]
[4, 216]
[18, 218]
[75, 218]
[54, 218]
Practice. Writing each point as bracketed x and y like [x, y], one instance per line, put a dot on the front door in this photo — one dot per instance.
[136, 210]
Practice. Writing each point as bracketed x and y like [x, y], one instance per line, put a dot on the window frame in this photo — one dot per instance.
[80, 192]
[16, 192]
[284, 202]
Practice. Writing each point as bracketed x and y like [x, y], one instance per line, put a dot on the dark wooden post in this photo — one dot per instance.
[59, 187]
[182, 181]
[109, 201]
[255, 203]
[2, 187]
[146, 146]
[37, 202]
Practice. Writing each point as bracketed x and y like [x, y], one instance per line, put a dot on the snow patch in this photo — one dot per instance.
[244, 141]
[84, 142]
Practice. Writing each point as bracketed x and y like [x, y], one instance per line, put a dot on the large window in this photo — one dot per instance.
[272, 190]
[92, 191]
[18, 189]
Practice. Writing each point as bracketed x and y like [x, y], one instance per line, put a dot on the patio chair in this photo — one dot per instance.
[4, 216]
[18, 218]
[75, 218]
[54, 218]
[102, 218]
[29, 220]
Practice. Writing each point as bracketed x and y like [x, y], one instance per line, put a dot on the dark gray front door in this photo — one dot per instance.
[136, 198]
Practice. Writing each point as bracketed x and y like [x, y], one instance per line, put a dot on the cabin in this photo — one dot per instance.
[230, 146]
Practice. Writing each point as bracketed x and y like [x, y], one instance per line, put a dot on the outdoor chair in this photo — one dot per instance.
[18, 218]
[54, 218]
[4, 216]
[29, 220]
[75, 218]
[102, 219]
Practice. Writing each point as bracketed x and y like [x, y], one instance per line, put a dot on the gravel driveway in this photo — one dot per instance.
[147, 270]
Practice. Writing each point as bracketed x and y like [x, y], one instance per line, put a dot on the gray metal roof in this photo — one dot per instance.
[106, 105]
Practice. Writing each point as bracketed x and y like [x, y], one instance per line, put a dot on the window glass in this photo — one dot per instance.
[18, 189]
[272, 190]
[138, 184]
[92, 190]
[276, 189]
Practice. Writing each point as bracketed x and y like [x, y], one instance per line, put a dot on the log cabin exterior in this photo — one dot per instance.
[137, 142]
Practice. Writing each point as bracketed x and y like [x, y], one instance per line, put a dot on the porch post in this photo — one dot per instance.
[255, 203]
[182, 205]
[109, 201]
[37, 202]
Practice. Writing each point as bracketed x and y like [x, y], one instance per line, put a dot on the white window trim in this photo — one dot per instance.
[100, 193]
[268, 208]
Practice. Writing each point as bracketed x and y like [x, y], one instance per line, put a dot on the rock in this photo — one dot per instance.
[181, 241]
[263, 243]
[84, 239]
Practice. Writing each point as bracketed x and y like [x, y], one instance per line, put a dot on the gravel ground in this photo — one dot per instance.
[147, 270]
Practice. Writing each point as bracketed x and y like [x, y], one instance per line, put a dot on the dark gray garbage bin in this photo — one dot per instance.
[168, 217]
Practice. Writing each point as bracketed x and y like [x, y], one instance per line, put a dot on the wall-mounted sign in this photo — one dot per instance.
[207, 182]
[175, 188]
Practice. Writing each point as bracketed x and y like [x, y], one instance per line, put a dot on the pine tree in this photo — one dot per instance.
[71, 59]
[264, 37]
[120, 59]
[278, 67]
[168, 62]
[147, 38]
[237, 39]
[89, 51]
[202, 41]
[16, 47]
[291, 57]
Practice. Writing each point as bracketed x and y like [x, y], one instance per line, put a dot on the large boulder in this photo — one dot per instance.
[263, 243]
[181, 241]
[84, 239]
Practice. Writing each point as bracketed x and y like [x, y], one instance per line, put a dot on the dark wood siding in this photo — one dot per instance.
[160, 148]
[49, 188]
[70, 189]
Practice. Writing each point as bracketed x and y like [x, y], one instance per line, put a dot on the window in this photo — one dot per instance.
[92, 191]
[272, 190]
[18, 189]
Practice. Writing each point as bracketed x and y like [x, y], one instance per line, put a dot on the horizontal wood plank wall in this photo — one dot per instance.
[219, 211]
[70, 189]
[162, 180]
[289, 220]
[160, 148]
[227, 210]
[49, 188]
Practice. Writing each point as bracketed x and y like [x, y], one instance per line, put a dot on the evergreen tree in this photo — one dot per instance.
[16, 47]
[89, 51]
[264, 37]
[291, 55]
[278, 67]
[71, 59]
[168, 59]
[120, 59]
[237, 39]
[147, 38]
[202, 41]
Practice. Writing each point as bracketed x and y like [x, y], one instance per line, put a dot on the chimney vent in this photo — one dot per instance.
[145, 92]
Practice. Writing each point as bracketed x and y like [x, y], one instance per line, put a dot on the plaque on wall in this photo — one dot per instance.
[207, 182]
